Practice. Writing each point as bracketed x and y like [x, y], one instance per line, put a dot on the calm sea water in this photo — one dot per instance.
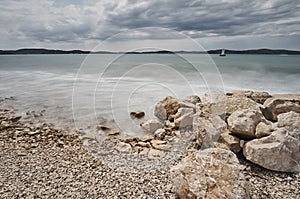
[78, 91]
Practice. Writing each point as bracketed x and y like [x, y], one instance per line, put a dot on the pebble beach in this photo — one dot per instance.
[44, 162]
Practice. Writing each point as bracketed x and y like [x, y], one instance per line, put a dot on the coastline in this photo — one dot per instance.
[43, 161]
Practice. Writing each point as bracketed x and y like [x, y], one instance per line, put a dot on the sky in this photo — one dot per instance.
[168, 24]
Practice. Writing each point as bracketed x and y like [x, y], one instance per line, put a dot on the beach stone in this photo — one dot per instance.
[137, 114]
[158, 144]
[183, 111]
[166, 107]
[123, 147]
[151, 125]
[263, 129]
[231, 141]
[209, 173]
[160, 133]
[184, 117]
[103, 127]
[281, 104]
[243, 122]
[143, 144]
[207, 129]
[193, 99]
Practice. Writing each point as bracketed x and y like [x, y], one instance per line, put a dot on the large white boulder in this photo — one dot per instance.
[151, 125]
[243, 122]
[209, 173]
[279, 151]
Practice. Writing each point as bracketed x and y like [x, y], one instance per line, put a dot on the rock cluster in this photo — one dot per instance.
[258, 128]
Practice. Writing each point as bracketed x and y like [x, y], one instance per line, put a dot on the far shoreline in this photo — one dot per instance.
[42, 51]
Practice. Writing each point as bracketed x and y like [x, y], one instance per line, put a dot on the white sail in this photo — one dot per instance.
[223, 52]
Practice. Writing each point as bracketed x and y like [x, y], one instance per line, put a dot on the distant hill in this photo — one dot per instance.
[41, 51]
[257, 52]
[50, 51]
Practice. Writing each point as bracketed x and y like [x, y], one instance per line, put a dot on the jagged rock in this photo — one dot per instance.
[279, 151]
[123, 147]
[281, 104]
[258, 97]
[207, 129]
[160, 133]
[231, 141]
[166, 107]
[194, 99]
[183, 111]
[209, 173]
[243, 122]
[137, 114]
[291, 122]
[184, 118]
[263, 129]
[151, 125]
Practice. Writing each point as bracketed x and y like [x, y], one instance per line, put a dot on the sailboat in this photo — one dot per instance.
[222, 52]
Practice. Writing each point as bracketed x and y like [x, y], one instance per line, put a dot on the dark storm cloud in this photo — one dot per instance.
[225, 19]
[86, 21]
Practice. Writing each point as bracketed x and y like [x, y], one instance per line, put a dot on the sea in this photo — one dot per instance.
[79, 92]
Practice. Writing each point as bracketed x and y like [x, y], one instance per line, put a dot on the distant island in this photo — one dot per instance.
[51, 51]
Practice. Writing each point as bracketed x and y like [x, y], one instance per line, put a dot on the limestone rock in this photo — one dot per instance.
[243, 122]
[278, 151]
[209, 173]
[166, 107]
[213, 103]
[185, 120]
[137, 114]
[194, 99]
[231, 141]
[151, 125]
[281, 150]
[158, 144]
[207, 129]
[123, 147]
[281, 104]
[234, 103]
[160, 133]
[263, 129]
[291, 122]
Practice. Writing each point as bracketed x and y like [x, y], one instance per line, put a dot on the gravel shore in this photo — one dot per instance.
[43, 162]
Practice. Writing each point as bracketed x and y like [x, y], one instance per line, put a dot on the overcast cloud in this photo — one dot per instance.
[70, 24]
